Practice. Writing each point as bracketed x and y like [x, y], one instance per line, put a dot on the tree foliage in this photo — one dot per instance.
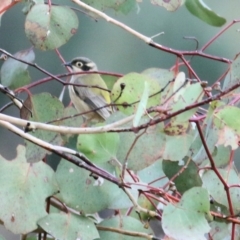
[166, 155]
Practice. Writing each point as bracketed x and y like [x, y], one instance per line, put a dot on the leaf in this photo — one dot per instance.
[197, 150]
[85, 194]
[98, 147]
[47, 29]
[170, 5]
[24, 189]
[180, 144]
[215, 187]
[44, 108]
[178, 86]
[222, 155]
[124, 224]
[152, 146]
[124, 6]
[199, 9]
[64, 226]
[220, 230]
[129, 89]
[227, 120]
[232, 78]
[187, 95]
[186, 174]
[29, 4]
[151, 173]
[109, 80]
[14, 73]
[163, 77]
[127, 6]
[186, 220]
[142, 105]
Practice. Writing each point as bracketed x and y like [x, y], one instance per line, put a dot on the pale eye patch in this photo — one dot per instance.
[91, 65]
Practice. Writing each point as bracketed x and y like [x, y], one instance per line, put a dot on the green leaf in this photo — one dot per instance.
[197, 150]
[98, 147]
[219, 230]
[189, 94]
[143, 153]
[199, 9]
[129, 89]
[215, 187]
[233, 76]
[184, 95]
[180, 144]
[64, 226]
[186, 220]
[109, 80]
[125, 224]
[29, 4]
[178, 86]
[14, 73]
[24, 189]
[152, 146]
[221, 155]
[151, 173]
[227, 120]
[163, 77]
[170, 5]
[124, 6]
[44, 108]
[187, 174]
[142, 105]
[80, 191]
[47, 29]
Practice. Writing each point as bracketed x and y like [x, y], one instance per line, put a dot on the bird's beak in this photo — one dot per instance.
[68, 64]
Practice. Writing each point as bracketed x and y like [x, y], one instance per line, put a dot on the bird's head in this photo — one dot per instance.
[82, 64]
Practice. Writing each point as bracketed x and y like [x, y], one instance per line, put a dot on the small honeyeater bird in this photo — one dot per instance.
[89, 98]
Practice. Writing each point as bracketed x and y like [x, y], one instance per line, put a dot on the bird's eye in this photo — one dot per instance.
[79, 64]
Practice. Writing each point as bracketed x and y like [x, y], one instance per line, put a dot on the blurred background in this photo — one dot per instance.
[116, 50]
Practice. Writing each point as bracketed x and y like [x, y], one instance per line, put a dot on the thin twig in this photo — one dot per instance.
[149, 40]
[124, 165]
[66, 153]
[214, 168]
[126, 232]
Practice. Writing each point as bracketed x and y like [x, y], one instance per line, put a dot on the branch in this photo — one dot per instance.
[113, 126]
[147, 40]
[150, 41]
[66, 153]
[65, 130]
[126, 232]
[214, 168]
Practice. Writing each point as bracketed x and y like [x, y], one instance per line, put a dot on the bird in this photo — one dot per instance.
[89, 99]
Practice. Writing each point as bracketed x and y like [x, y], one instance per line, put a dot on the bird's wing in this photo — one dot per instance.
[93, 101]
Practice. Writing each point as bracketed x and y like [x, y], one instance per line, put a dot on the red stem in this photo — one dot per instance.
[213, 166]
